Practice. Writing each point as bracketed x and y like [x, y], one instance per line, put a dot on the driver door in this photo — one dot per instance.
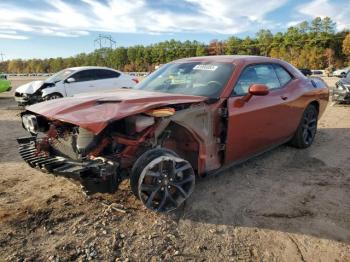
[258, 124]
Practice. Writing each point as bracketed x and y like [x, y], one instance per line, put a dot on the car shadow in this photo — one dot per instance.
[286, 189]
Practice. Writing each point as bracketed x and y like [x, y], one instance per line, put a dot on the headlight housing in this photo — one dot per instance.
[34, 124]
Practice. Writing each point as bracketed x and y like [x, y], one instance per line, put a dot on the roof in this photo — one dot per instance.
[88, 67]
[228, 58]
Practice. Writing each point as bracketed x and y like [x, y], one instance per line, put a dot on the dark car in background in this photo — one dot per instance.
[305, 71]
[341, 91]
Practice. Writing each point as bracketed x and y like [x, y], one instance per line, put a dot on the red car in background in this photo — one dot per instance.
[192, 117]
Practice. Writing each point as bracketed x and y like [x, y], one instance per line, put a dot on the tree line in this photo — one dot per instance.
[314, 45]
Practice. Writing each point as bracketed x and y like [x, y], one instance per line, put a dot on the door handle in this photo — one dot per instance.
[284, 97]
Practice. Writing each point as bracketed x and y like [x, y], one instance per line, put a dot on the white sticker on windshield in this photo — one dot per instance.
[205, 67]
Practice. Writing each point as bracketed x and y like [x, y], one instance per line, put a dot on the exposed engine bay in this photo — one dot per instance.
[106, 152]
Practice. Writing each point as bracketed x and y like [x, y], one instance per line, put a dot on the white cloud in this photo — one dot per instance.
[228, 10]
[8, 32]
[338, 12]
[12, 36]
[294, 23]
[72, 19]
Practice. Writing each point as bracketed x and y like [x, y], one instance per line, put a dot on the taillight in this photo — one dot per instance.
[135, 80]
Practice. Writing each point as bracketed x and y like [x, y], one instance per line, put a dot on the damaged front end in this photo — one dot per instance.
[31, 93]
[341, 92]
[99, 162]
[98, 175]
[24, 99]
[156, 140]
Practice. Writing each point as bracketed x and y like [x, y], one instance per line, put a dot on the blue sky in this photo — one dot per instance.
[52, 28]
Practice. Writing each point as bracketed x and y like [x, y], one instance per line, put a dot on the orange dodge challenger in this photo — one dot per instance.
[192, 117]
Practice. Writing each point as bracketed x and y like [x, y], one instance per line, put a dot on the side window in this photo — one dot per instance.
[85, 75]
[282, 75]
[256, 74]
[348, 76]
[105, 74]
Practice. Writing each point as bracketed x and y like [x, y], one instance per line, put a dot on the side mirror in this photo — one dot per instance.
[70, 80]
[256, 90]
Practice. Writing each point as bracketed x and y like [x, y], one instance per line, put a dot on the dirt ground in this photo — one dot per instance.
[286, 205]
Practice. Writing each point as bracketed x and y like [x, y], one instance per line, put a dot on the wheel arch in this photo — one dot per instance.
[183, 141]
[316, 104]
[47, 92]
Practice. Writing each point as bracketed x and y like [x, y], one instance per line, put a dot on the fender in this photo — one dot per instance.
[57, 88]
[198, 122]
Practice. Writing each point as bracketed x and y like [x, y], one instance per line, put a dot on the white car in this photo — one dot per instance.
[71, 81]
[341, 72]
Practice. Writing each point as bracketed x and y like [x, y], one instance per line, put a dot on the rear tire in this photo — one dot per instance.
[306, 132]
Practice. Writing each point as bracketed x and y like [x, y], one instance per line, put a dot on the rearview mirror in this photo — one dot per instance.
[256, 90]
[70, 80]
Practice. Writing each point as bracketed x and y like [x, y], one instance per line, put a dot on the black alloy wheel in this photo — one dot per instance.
[306, 132]
[309, 126]
[164, 182]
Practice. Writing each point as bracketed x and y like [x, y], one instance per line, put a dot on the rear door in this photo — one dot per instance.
[106, 79]
[261, 122]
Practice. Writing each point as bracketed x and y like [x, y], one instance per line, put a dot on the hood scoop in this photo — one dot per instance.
[108, 101]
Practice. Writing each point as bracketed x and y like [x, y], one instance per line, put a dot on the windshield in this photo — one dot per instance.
[192, 78]
[59, 76]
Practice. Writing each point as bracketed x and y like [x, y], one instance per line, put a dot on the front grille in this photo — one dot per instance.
[94, 176]
[54, 164]
[29, 153]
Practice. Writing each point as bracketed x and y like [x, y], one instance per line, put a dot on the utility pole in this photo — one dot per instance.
[105, 41]
[2, 57]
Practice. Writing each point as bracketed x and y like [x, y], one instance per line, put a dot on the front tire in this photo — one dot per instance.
[306, 132]
[162, 180]
[52, 96]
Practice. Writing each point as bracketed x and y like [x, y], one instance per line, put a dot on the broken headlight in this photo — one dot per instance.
[34, 124]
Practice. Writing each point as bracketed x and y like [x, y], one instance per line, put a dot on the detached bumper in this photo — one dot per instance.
[94, 176]
[23, 99]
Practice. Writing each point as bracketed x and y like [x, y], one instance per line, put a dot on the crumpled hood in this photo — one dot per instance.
[30, 88]
[94, 111]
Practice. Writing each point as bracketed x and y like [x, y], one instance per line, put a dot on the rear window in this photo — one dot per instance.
[282, 75]
[105, 74]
